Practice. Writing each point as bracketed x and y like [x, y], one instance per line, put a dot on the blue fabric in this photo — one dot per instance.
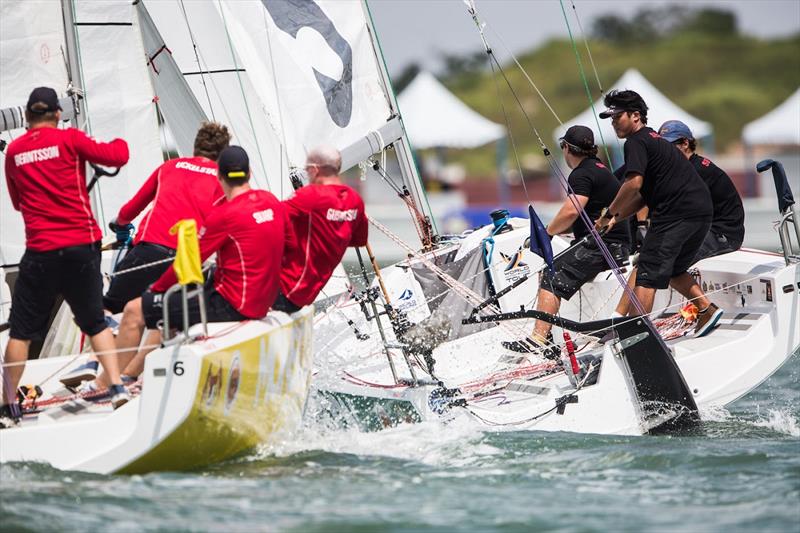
[540, 240]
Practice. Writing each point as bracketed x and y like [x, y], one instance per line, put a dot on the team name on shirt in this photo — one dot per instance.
[336, 215]
[196, 168]
[32, 156]
[263, 216]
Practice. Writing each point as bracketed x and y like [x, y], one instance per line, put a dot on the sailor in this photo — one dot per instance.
[727, 224]
[660, 177]
[181, 188]
[46, 175]
[326, 216]
[247, 231]
[594, 187]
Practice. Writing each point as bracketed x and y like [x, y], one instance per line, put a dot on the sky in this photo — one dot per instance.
[419, 31]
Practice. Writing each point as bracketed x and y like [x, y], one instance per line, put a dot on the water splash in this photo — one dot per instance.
[780, 420]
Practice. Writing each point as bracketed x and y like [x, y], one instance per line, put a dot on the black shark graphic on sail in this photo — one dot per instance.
[291, 16]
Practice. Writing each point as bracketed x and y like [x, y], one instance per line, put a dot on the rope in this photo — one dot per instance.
[197, 59]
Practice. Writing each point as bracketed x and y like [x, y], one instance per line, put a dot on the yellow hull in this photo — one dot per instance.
[247, 394]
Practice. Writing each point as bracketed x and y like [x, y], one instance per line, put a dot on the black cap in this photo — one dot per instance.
[627, 100]
[579, 137]
[46, 96]
[233, 163]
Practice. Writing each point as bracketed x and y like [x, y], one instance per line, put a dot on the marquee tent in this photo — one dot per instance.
[660, 110]
[434, 117]
[779, 126]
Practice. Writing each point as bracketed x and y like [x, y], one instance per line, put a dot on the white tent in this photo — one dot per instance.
[660, 109]
[779, 126]
[434, 117]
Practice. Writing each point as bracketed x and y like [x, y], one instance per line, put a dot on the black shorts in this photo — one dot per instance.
[73, 272]
[217, 308]
[282, 303]
[668, 250]
[716, 244]
[130, 285]
[578, 266]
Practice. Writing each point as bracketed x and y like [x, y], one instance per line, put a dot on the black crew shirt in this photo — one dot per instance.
[591, 178]
[728, 210]
[671, 188]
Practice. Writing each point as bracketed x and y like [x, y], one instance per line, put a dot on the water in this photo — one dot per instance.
[740, 472]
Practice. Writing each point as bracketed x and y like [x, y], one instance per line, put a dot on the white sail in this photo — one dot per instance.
[196, 35]
[118, 95]
[315, 63]
[31, 43]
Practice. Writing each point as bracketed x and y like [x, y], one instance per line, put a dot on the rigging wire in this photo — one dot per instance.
[244, 96]
[585, 82]
[284, 150]
[197, 59]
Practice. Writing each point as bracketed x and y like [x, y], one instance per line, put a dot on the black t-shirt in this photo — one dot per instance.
[671, 188]
[728, 210]
[591, 178]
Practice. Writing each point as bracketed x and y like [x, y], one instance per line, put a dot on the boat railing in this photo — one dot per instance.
[186, 294]
[790, 214]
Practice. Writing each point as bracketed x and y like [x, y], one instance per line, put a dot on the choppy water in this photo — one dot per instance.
[741, 472]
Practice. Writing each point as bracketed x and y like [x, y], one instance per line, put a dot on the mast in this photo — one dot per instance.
[402, 146]
[75, 88]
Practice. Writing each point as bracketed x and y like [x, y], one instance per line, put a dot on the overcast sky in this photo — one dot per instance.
[420, 30]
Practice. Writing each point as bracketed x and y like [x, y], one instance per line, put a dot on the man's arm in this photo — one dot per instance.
[628, 199]
[567, 214]
[112, 154]
[361, 230]
[140, 200]
[12, 188]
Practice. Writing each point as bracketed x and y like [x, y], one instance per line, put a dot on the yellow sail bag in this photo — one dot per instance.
[187, 258]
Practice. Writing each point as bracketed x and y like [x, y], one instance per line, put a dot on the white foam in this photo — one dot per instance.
[780, 420]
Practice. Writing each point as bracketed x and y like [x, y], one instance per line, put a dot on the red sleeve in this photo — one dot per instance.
[113, 154]
[140, 200]
[361, 230]
[301, 202]
[212, 237]
[12, 188]
[290, 239]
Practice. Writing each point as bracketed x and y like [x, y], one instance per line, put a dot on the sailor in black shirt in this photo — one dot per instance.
[659, 177]
[727, 225]
[593, 187]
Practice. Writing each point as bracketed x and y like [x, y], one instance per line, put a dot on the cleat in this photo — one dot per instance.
[707, 319]
[119, 396]
[78, 375]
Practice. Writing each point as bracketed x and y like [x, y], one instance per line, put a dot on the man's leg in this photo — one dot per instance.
[103, 345]
[625, 301]
[646, 297]
[688, 287]
[129, 336]
[16, 352]
[136, 365]
[548, 303]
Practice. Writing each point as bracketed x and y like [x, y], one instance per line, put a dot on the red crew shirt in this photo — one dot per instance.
[184, 188]
[326, 219]
[46, 176]
[248, 235]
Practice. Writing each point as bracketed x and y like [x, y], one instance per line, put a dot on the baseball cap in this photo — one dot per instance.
[627, 100]
[579, 137]
[672, 130]
[233, 163]
[46, 96]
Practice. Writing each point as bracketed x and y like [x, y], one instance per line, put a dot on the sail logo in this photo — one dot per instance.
[290, 16]
[34, 156]
[406, 295]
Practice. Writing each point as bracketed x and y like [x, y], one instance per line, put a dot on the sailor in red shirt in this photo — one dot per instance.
[247, 231]
[46, 175]
[327, 216]
[181, 188]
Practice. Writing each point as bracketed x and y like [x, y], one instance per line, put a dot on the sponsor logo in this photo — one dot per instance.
[706, 162]
[654, 135]
[34, 156]
[407, 295]
[515, 268]
[336, 215]
[599, 165]
[263, 216]
[234, 377]
[213, 384]
[185, 165]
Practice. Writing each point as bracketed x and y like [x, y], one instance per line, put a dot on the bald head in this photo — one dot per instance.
[326, 160]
